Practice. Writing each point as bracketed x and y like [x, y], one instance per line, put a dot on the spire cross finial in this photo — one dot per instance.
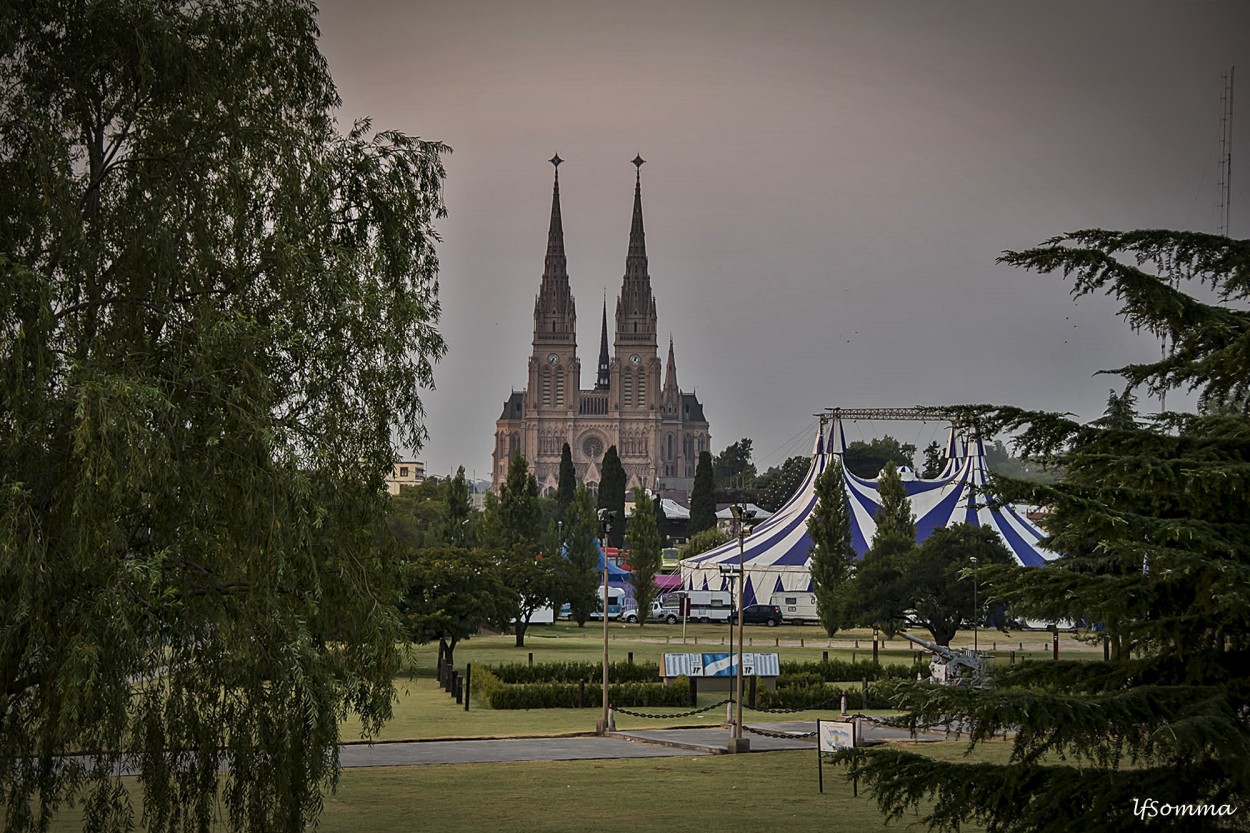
[638, 162]
[556, 160]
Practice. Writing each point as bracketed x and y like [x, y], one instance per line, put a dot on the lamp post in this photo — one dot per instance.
[605, 526]
[975, 608]
[742, 516]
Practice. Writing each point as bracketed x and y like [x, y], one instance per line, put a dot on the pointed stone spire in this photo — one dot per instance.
[670, 372]
[635, 309]
[554, 313]
[604, 380]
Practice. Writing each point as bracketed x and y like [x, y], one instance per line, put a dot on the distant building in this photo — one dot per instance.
[405, 473]
[636, 404]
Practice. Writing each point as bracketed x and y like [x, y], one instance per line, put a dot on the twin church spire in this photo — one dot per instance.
[555, 315]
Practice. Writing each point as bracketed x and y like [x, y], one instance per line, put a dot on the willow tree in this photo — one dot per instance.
[1151, 516]
[215, 309]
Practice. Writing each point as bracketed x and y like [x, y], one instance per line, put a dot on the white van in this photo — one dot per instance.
[705, 605]
[797, 607]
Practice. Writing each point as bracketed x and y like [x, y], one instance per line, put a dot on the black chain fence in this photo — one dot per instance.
[837, 698]
[619, 710]
[780, 735]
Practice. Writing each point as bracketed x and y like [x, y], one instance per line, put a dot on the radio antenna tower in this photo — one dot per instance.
[1226, 153]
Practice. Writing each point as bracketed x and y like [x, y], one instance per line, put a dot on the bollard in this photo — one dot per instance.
[694, 692]
[531, 657]
[863, 693]
[856, 643]
[1054, 644]
[611, 718]
[468, 675]
[852, 657]
[824, 656]
[751, 641]
[844, 704]
[995, 644]
[630, 657]
[581, 694]
[776, 642]
[1013, 657]
[751, 699]
[455, 686]
[800, 642]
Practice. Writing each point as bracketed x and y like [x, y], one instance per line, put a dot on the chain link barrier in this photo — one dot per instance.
[619, 710]
[779, 735]
[837, 698]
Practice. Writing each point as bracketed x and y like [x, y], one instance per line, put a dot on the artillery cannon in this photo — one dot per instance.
[947, 667]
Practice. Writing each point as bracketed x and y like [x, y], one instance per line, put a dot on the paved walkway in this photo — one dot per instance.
[633, 743]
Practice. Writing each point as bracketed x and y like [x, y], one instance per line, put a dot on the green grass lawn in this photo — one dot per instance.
[423, 710]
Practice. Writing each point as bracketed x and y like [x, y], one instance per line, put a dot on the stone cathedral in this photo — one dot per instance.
[635, 404]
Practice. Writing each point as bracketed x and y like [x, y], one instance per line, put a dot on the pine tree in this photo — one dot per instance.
[643, 558]
[612, 494]
[894, 516]
[567, 483]
[517, 533]
[1152, 523]
[933, 461]
[702, 497]
[832, 556]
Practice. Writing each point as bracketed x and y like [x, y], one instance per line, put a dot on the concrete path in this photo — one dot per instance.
[634, 743]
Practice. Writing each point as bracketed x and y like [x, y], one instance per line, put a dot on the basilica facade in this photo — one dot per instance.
[635, 404]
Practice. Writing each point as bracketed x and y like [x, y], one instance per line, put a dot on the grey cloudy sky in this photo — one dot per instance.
[827, 187]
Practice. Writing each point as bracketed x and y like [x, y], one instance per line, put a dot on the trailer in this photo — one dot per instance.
[798, 608]
[703, 605]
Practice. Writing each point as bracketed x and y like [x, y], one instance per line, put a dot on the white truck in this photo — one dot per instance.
[798, 607]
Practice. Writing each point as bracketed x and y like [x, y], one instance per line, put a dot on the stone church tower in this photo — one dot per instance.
[635, 404]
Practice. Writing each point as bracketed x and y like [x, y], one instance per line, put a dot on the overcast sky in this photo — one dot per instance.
[827, 187]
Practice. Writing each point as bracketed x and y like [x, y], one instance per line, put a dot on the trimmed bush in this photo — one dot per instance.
[836, 670]
[564, 695]
[822, 696]
[572, 672]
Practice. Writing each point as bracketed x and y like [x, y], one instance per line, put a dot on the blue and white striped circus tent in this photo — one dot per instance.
[776, 555]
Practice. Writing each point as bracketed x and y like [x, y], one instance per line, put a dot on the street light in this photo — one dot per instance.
[605, 526]
[975, 608]
[742, 516]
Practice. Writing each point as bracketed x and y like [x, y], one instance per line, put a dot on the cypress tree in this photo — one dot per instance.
[894, 516]
[831, 554]
[1152, 525]
[702, 497]
[612, 494]
[581, 534]
[567, 483]
[643, 558]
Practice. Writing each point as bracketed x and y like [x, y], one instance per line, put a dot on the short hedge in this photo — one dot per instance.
[822, 696]
[491, 690]
[572, 672]
[834, 670]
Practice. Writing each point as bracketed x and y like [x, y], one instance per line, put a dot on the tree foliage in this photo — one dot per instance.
[867, 459]
[643, 558]
[703, 541]
[448, 592]
[612, 495]
[933, 461]
[515, 535]
[215, 308]
[567, 483]
[937, 583]
[832, 557]
[894, 516]
[732, 468]
[702, 498]
[1151, 518]
[779, 483]
[878, 595]
[581, 548]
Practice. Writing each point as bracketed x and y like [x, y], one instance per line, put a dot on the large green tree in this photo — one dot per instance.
[732, 468]
[702, 498]
[832, 558]
[1152, 523]
[643, 557]
[516, 533]
[878, 595]
[216, 313]
[448, 592]
[937, 584]
[612, 495]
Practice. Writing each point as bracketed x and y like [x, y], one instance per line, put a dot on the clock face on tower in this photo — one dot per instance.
[635, 359]
[553, 359]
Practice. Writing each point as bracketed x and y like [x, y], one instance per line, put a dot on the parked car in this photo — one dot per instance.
[758, 615]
